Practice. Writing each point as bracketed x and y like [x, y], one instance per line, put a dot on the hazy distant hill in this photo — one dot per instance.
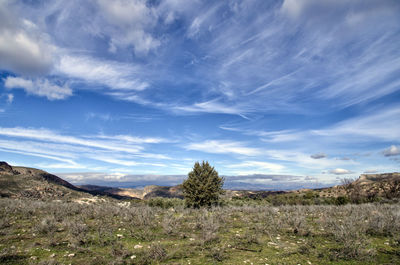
[145, 193]
[35, 183]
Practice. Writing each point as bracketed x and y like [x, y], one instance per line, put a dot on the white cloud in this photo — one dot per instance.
[114, 75]
[129, 24]
[224, 147]
[10, 98]
[392, 151]
[248, 167]
[23, 48]
[340, 171]
[39, 87]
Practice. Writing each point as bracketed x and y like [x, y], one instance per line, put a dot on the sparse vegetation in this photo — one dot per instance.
[111, 232]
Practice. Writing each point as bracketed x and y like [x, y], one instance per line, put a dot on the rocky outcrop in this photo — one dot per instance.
[371, 178]
[7, 169]
[4, 167]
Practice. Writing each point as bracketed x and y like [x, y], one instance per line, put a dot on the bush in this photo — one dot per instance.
[342, 200]
[203, 186]
[164, 203]
[47, 226]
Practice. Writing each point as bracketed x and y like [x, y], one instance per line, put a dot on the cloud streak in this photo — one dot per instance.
[114, 75]
[223, 147]
[123, 150]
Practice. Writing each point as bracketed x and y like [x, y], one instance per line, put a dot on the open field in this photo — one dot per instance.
[122, 232]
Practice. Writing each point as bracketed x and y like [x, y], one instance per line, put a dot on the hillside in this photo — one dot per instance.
[145, 193]
[24, 182]
[385, 184]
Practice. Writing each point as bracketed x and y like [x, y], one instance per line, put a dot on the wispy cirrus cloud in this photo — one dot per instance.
[114, 75]
[252, 58]
[123, 150]
[50, 136]
[251, 61]
[211, 106]
[379, 124]
[223, 147]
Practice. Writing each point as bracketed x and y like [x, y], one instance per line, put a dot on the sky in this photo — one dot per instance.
[274, 94]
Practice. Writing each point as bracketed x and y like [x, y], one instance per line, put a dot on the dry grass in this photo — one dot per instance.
[108, 232]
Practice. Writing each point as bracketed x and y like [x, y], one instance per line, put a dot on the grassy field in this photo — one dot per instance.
[119, 232]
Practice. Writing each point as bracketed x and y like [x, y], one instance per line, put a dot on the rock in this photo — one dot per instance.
[4, 167]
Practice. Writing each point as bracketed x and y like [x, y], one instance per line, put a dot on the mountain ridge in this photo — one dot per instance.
[16, 181]
[31, 182]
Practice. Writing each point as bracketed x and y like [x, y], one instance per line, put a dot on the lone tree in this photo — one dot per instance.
[203, 186]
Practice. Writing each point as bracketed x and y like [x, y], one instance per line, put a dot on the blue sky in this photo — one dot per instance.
[274, 94]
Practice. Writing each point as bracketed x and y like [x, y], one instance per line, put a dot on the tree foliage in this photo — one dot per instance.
[203, 186]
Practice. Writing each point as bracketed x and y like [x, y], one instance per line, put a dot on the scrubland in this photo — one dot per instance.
[163, 231]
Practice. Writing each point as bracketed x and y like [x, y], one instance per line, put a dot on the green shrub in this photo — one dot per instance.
[164, 203]
[203, 186]
[342, 200]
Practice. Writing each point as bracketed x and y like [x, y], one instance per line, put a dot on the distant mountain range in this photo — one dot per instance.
[36, 183]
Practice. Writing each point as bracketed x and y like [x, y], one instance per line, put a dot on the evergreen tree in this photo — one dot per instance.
[203, 186]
